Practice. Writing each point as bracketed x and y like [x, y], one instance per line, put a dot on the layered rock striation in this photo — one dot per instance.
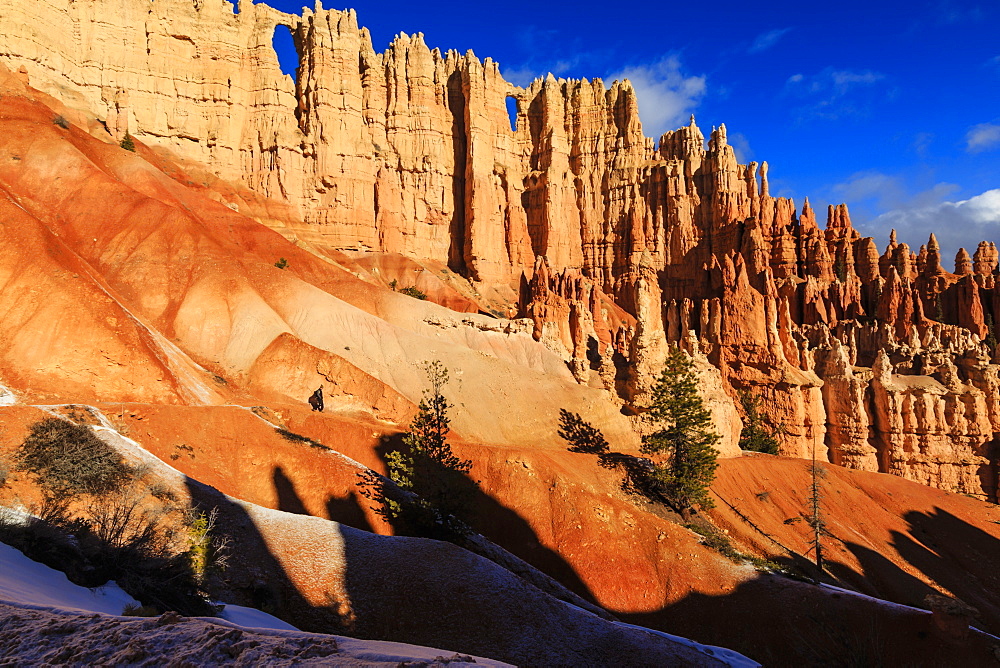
[613, 245]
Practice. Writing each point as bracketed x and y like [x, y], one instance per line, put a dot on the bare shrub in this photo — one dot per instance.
[69, 459]
[120, 524]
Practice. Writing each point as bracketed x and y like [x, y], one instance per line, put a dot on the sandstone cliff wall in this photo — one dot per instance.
[613, 244]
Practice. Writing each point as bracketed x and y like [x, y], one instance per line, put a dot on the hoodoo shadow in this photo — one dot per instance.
[257, 578]
[783, 622]
[348, 510]
[288, 499]
[809, 624]
[977, 575]
[403, 589]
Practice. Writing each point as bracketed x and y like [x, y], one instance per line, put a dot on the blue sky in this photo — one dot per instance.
[892, 107]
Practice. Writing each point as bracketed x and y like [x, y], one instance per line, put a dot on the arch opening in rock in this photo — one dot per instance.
[512, 112]
[288, 55]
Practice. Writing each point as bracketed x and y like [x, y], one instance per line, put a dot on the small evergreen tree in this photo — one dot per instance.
[815, 520]
[427, 467]
[414, 291]
[840, 268]
[991, 335]
[581, 435]
[756, 436]
[586, 438]
[684, 438]
[127, 143]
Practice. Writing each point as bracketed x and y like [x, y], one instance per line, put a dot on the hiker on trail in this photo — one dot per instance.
[316, 400]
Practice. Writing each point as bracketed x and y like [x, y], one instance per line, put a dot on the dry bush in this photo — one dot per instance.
[69, 459]
[120, 523]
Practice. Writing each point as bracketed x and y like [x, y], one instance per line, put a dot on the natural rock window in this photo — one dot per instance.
[512, 112]
[288, 55]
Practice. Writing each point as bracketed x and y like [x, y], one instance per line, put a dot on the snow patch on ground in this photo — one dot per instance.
[880, 601]
[27, 582]
[252, 618]
[890, 604]
[46, 619]
[727, 656]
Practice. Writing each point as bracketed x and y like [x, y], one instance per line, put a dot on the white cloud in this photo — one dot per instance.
[843, 80]
[521, 76]
[982, 137]
[525, 74]
[833, 82]
[835, 93]
[921, 142]
[886, 190]
[741, 146]
[666, 96]
[961, 224]
[765, 41]
[948, 12]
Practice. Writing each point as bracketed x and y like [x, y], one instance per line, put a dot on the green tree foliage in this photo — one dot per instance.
[840, 269]
[581, 435]
[684, 439]
[586, 438]
[756, 435]
[127, 143]
[281, 263]
[815, 520]
[432, 477]
[206, 552]
[413, 291]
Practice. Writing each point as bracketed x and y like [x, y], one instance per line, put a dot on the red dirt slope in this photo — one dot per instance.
[564, 514]
[888, 537]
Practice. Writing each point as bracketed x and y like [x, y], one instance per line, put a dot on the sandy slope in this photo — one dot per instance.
[125, 283]
[888, 537]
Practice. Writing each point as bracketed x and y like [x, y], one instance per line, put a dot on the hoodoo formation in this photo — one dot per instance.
[251, 249]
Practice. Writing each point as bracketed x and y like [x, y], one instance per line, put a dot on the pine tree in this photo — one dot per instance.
[427, 467]
[127, 143]
[685, 438]
[815, 519]
[756, 436]
[581, 435]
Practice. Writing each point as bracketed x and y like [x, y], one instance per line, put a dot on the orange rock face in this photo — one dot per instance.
[411, 151]
[612, 244]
